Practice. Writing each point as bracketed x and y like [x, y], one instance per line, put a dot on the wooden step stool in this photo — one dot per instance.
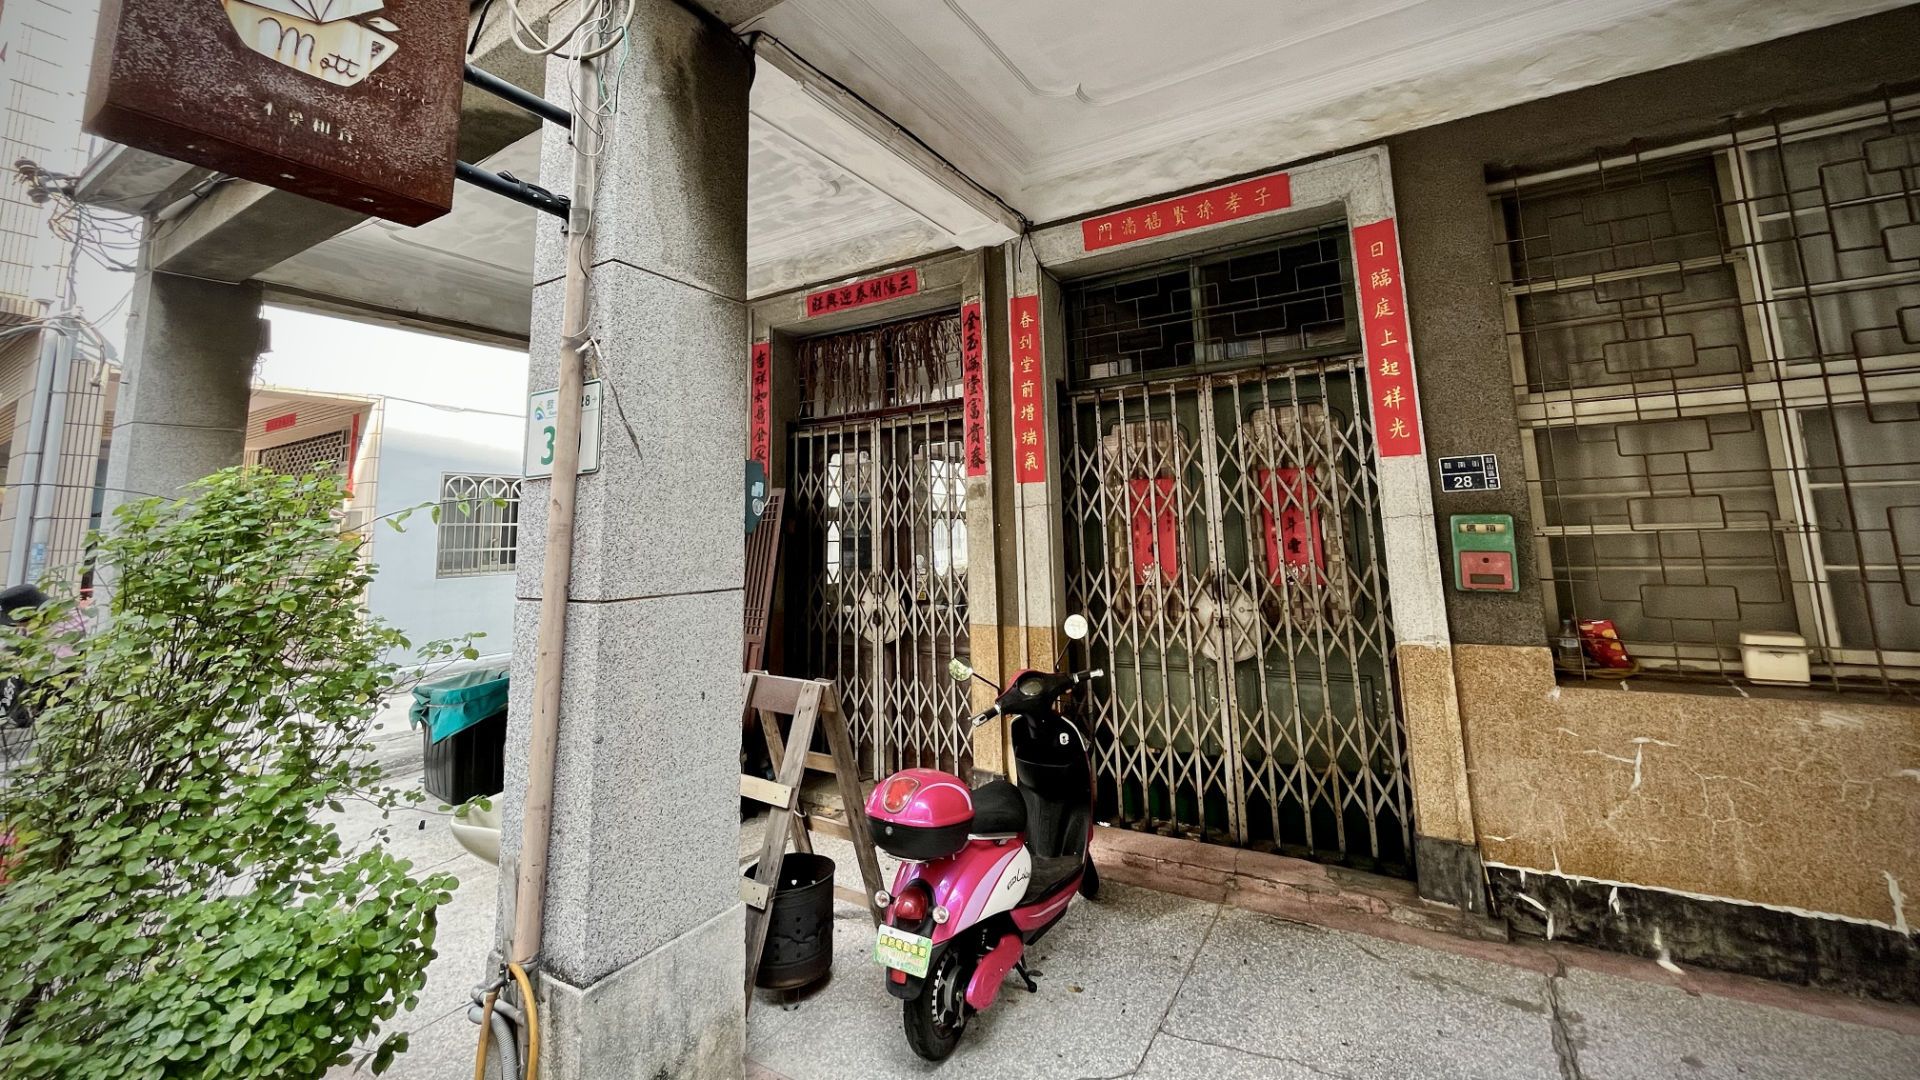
[813, 705]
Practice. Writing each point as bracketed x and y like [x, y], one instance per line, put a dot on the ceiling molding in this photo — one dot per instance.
[795, 99]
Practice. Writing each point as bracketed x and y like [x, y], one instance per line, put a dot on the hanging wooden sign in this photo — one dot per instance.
[351, 102]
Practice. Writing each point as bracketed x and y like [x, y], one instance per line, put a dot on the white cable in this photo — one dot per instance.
[528, 38]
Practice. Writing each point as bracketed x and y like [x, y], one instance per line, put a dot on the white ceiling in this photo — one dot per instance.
[1056, 108]
[472, 268]
[1065, 106]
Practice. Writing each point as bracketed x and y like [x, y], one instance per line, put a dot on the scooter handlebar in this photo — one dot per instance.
[1078, 678]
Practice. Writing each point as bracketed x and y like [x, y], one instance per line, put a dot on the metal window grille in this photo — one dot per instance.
[1271, 301]
[1716, 354]
[321, 453]
[897, 365]
[479, 530]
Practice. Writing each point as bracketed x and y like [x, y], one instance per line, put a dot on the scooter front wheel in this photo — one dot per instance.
[937, 1016]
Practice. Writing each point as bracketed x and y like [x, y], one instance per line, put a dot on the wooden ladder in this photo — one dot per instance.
[813, 705]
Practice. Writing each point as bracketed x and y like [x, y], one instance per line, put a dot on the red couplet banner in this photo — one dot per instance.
[1029, 392]
[1229, 202]
[759, 441]
[974, 386]
[861, 293]
[1383, 319]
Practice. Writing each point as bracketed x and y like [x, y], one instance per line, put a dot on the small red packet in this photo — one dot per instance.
[1601, 642]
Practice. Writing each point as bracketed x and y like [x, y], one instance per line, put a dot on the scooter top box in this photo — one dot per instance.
[920, 814]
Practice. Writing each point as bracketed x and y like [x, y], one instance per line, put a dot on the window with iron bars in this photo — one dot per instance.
[1716, 355]
[1273, 300]
[479, 530]
[320, 453]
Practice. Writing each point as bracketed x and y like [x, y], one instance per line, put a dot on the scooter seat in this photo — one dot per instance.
[998, 808]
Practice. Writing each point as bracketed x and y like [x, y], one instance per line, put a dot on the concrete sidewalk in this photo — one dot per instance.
[1156, 985]
[1150, 984]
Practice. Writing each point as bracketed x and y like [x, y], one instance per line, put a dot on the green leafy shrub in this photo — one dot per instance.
[178, 904]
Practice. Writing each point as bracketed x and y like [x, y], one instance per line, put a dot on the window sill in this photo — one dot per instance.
[1663, 682]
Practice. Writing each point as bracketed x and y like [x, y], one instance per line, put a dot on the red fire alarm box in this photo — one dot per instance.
[1483, 553]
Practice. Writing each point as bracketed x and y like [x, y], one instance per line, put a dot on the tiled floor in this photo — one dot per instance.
[1148, 984]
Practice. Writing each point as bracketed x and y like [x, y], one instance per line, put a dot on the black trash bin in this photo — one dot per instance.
[463, 728]
[799, 948]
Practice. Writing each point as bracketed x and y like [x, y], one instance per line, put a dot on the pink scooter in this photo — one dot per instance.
[984, 872]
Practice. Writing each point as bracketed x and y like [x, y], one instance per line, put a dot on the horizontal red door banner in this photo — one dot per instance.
[1029, 392]
[1383, 319]
[1229, 202]
[861, 293]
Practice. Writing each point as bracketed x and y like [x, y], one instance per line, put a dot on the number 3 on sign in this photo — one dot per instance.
[542, 420]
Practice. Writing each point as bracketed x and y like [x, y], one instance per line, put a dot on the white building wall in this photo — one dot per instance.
[445, 407]
[418, 444]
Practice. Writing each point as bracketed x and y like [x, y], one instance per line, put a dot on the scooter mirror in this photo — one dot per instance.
[959, 670]
[1076, 627]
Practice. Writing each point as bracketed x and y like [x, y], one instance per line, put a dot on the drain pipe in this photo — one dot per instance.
[530, 888]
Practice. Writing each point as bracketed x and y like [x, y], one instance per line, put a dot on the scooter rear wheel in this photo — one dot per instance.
[935, 1019]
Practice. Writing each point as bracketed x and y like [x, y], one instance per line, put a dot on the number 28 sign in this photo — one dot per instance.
[543, 410]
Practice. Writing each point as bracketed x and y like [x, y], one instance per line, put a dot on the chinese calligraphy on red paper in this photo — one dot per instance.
[1383, 319]
[760, 442]
[1210, 207]
[861, 293]
[974, 377]
[1029, 392]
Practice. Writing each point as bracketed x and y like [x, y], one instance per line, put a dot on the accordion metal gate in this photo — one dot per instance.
[878, 560]
[1223, 539]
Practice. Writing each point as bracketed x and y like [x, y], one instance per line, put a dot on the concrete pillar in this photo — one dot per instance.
[640, 973]
[182, 407]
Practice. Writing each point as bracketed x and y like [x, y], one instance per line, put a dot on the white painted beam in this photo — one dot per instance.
[790, 96]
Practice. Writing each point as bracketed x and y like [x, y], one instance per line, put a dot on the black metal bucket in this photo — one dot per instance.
[799, 948]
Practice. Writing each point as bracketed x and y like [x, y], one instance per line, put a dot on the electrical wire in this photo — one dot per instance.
[110, 240]
[528, 38]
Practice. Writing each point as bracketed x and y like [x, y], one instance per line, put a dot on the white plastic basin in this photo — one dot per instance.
[478, 830]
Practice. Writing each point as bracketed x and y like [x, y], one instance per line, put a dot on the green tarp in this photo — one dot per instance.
[452, 703]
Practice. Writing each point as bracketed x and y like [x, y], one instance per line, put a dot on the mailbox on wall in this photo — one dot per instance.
[1484, 555]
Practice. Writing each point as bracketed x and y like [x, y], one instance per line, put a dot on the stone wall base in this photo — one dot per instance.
[678, 1011]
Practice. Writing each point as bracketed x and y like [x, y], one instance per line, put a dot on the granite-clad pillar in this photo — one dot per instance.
[640, 971]
[184, 390]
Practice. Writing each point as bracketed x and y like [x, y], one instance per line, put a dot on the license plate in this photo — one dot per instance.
[901, 951]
